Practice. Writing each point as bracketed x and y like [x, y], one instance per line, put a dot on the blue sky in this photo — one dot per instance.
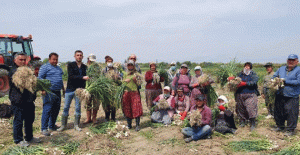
[169, 30]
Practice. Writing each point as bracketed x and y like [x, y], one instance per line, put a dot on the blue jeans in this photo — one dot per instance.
[68, 99]
[51, 107]
[197, 132]
[23, 113]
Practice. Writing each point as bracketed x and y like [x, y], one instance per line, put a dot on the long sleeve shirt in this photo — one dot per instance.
[181, 81]
[182, 105]
[267, 78]
[292, 81]
[15, 96]
[206, 115]
[149, 80]
[53, 74]
[75, 76]
[251, 81]
[131, 86]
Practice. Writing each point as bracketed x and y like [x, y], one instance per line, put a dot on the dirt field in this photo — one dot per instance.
[151, 139]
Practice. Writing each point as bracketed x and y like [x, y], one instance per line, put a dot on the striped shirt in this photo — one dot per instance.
[53, 74]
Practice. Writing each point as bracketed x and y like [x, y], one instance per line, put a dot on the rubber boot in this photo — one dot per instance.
[107, 113]
[252, 124]
[64, 121]
[77, 122]
[113, 114]
[129, 122]
[137, 127]
[95, 111]
[88, 117]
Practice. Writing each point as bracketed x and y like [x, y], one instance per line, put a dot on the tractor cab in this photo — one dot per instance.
[11, 44]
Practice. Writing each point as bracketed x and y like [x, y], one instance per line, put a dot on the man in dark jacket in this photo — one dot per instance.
[22, 106]
[76, 79]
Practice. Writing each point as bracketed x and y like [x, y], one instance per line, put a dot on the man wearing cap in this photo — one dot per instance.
[171, 74]
[204, 130]
[131, 101]
[112, 73]
[266, 91]
[287, 97]
[76, 79]
[164, 115]
[92, 106]
[51, 101]
[196, 88]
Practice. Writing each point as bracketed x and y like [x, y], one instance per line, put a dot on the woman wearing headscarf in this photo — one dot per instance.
[182, 79]
[153, 86]
[131, 101]
[112, 73]
[196, 88]
[164, 115]
[182, 103]
[224, 122]
[171, 74]
[246, 96]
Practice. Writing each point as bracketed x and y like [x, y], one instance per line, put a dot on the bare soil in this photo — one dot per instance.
[151, 139]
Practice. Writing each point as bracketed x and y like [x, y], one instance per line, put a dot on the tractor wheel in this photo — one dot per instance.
[4, 82]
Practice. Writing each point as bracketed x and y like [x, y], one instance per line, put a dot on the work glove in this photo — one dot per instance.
[183, 115]
[242, 84]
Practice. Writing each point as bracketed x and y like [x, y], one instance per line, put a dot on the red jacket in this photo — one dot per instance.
[149, 80]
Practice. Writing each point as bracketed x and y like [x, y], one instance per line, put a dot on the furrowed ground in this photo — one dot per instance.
[152, 138]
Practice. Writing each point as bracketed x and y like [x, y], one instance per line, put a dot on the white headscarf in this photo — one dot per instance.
[222, 97]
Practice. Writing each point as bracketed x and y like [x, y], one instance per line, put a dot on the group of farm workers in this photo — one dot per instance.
[182, 93]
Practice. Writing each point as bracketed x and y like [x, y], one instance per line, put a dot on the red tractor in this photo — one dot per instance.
[9, 45]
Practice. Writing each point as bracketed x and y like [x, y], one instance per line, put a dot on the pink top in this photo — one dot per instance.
[183, 81]
[182, 105]
[171, 102]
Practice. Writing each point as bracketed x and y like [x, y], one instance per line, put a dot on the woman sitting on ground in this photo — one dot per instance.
[182, 103]
[224, 121]
[164, 115]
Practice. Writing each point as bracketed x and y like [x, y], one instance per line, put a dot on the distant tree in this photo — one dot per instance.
[162, 65]
[45, 60]
[188, 63]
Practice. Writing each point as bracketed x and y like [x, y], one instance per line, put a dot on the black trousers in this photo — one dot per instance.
[23, 113]
[286, 109]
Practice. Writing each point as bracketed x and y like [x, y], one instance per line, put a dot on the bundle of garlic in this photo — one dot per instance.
[120, 131]
[24, 78]
[204, 78]
[139, 78]
[83, 95]
[156, 78]
[162, 104]
[177, 121]
[275, 83]
[195, 118]
[232, 84]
